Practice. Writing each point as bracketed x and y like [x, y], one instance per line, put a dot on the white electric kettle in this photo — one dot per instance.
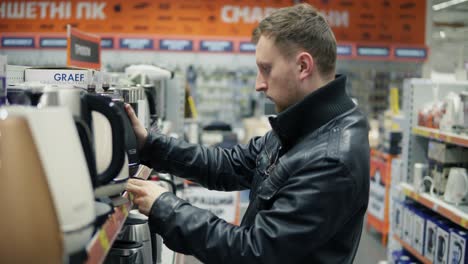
[456, 190]
[107, 161]
[64, 165]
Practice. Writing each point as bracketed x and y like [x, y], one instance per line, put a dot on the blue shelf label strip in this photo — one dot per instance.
[53, 42]
[410, 53]
[344, 50]
[136, 43]
[247, 47]
[373, 51]
[107, 43]
[176, 45]
[18, 42]
[216, 46]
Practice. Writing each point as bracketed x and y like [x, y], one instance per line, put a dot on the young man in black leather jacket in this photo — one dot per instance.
[308, 176]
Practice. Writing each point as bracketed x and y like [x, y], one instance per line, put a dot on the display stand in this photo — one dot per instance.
[105, 236]
[378, 210]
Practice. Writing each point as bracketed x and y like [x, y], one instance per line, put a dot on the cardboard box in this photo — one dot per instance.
[419, 230]
[408, 217]
[67, 75]
[458, 246]
[430, 243]
[443, 242]
[397, 218]
[446, 154]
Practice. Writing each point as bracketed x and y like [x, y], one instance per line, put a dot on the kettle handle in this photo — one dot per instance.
[151, 103]
[86, 141]
[105, 106]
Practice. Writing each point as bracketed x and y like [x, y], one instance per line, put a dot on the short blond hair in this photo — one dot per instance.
[301, 27]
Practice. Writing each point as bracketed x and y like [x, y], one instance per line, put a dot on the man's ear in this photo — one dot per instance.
[305, 64]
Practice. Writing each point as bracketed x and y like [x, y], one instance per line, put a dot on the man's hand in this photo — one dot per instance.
[144, 194]
[139, 129]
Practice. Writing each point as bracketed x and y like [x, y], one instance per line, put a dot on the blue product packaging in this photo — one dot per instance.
[408, 216]
[397, 218]
[396, 254]
[419, 229]
[443, 242]
[458, 246]
[430, 241]
[405, 259]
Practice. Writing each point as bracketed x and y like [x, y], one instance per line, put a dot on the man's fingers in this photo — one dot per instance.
[136, 189]
[131, 114]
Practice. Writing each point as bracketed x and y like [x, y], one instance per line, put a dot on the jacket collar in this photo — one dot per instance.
[312, 112]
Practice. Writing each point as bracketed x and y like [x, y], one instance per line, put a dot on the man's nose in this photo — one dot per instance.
[260, 84]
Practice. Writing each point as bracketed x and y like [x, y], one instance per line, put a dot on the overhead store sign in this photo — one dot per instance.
[84, 49]
[396, 21]
[380, 30]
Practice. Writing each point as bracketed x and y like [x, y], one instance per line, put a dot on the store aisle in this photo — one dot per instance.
[370, 250]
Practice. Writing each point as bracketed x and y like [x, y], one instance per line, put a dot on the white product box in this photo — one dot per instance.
[397, 218]
[458, 246]
[408, 216]
[443, 243]
[76, 76]
[419, 229]
[430, 243]
[444, 153]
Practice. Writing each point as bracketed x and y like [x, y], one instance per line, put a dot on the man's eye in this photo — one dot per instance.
[266, 69]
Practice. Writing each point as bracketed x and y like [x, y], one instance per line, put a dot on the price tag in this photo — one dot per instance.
[464, 222]
[103, 240]
[124, 210]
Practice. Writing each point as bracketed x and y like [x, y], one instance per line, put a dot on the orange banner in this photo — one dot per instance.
[386, 21]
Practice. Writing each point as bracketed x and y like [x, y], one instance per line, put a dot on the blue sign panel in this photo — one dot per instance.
[216, 45]
[176, 44]
[53, 42]
[247, 47]
[136, 43]
[18, 42]
[107, 43]
[373, 51]
[344, 50]
[411, 53]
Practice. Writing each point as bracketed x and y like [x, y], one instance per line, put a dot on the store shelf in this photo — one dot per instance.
[103, 239]
[458, 215]
[412, 250]
[446, 137]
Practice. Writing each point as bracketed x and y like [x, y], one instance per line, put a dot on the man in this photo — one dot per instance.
[308, 176]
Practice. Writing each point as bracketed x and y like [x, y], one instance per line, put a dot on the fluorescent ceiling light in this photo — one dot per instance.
[447, 4]
[442, 34]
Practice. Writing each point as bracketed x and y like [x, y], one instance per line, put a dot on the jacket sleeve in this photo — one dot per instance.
[303, 214]
[214, 168]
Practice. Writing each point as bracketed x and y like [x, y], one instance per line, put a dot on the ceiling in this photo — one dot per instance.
[451, 23]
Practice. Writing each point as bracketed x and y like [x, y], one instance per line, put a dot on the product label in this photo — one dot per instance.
[247, 47]
[175, 45]
[410, 53]
[136, 43]
[56, 76]
[344, 50]
[373, 51]
[216, 46]
[53, 42]
[3, 91]
[107, 43]
[18, 42]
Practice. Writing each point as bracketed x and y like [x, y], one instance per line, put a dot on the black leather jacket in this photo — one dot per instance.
[309, 182]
